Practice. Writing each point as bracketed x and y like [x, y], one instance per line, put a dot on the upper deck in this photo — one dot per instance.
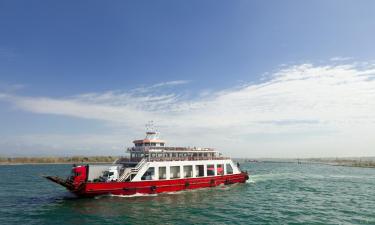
[152, 148]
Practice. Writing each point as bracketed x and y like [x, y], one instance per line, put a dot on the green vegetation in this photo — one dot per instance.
[366, 162]
[73, 159]
[355, 162]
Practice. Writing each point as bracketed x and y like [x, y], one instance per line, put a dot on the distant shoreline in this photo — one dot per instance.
[56, 160]
[56, 163]
[360, 162]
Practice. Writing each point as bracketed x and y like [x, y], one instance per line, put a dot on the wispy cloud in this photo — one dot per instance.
[322, 109]
[171, 83]
[340, 58]
[7, 53]
[7, 88]
[158, 86]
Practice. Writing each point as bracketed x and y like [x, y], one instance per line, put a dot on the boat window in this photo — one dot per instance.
[153, 144]
[173, 154]
[210, 170]
[229, 169]
[153, 155]
[149, 174]
[162, 173]
[220, 169]
[188, 171]
[147, 144]
[174, 172]
[108, 174]
[199, 170]
[161, 144]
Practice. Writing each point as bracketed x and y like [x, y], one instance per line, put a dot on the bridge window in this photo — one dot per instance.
[161, 144]
[188, 171]
[147, 144]
[220, 169]
[162, 173]
[153, 144]
[149, 174]
[229, 169]
[175, 172]
[210, 170]
[199, 170]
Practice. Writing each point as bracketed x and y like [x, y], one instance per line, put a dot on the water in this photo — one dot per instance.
[277, 193]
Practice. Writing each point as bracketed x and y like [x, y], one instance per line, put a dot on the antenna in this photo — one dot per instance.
[150, 126]
[151, 130]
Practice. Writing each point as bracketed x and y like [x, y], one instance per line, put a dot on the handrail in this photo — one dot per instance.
[183, 149]
[140, 164]
[130, 171]
[160, 159]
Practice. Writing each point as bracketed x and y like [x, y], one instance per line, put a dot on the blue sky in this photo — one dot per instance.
[73, 75]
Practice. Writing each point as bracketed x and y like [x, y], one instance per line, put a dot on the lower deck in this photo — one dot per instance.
[158, 186]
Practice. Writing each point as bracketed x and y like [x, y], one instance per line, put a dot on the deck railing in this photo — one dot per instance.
[161, 159]
[179, 149]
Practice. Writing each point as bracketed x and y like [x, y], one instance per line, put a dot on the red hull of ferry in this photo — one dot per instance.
[158, 186]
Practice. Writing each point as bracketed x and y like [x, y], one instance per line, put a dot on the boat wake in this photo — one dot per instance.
[126, 196]
[250, 181]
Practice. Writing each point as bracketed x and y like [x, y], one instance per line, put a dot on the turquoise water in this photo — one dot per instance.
[277, 193]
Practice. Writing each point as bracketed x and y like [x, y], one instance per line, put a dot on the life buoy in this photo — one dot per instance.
[153, 188]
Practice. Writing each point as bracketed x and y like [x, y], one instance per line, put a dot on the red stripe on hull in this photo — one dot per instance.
[157, 186]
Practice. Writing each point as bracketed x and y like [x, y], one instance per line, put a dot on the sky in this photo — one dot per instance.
[249, 78]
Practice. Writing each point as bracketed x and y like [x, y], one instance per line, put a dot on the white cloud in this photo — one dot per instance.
[9, 88]
[340, 58]
[171, 83]
[300, 110]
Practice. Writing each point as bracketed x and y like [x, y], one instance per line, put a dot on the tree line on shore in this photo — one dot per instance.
[356, 162]
[72, 159]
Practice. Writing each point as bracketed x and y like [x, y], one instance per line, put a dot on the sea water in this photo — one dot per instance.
[276, 193]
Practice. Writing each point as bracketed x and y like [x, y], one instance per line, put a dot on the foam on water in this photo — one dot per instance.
[127, 196]
[283, 194]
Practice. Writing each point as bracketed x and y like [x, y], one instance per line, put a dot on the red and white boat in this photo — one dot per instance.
[153, 168]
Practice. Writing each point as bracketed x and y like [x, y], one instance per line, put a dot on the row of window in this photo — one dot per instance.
[149, 144]
[173, 155]
[175, 171]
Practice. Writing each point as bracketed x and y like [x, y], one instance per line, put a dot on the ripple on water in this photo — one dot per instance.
[274, 194]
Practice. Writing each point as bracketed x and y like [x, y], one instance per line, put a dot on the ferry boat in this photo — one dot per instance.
[152, 168]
